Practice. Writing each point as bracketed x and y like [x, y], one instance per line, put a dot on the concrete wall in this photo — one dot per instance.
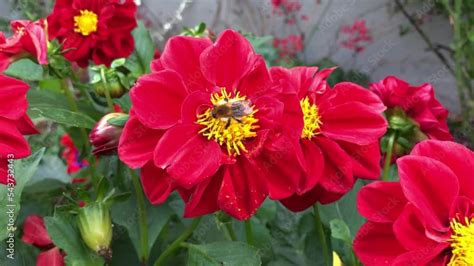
[389, 54]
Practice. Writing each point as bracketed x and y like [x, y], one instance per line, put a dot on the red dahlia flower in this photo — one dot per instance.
[35, 233]
[14, 123]
[338, 141]
[418, 103]
[425, 219]
[29, 38]
[97, 30]
[198, 124]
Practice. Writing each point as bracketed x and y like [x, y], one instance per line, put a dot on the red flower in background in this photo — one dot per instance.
[73, 157]
[35, 233]
[418, 102]
[93, 30]
[425, 219]
[197, 125]
[338, 141]
[29, 39]
[289, 46]
[14, 123]
[357, 36]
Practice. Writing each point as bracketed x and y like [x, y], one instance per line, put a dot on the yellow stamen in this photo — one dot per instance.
[20, 31]
[312, 120]
[86, 23]
[228, 131]
[462, 242]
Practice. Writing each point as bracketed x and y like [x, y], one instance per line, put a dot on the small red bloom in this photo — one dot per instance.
[425, 219]
[418, 102]
[35, 233]
[29, 39]
[104, 137]
[72, 156]
[14, 123]
[93, 30]
[198, 122]
[337, 142]
[357, 36]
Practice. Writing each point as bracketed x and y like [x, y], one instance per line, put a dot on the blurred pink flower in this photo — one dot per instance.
[357, 36]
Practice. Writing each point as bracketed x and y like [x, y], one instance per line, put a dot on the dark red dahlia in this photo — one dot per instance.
[14, 123]
[418, 103]
[198, 123]
[337, 142]
[425, 219]
[93, 30]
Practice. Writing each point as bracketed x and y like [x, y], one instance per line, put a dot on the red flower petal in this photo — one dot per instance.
[257, 82]
[434, 254]
[195, 103]
[187, 156]
[431, 187]
[34, 232]
[456, 156]
[351, 92]
[157, 185]
[203, 199]
[353, 122]
[12, 141]
[375, 244]
[381, 201]
[52, 257]
[137, 143]
[12, 97]
[26, 126]
[410, 231]
[157, 99]
[228, 60]
[365, 159]
[243, 189]
[181, 54]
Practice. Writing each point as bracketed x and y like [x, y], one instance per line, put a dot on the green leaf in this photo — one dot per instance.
[62, 116]
[26, 70]
[222, 253]
[10, 197]
[339, 230]
[118, 121]
[65, 235]
[139, 62]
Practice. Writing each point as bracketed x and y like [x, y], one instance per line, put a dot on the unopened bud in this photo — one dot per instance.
[105, 135]
[95, 226]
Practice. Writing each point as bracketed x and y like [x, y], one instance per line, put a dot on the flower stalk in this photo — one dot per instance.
[142, 217]
[389, 155]
[319, 228]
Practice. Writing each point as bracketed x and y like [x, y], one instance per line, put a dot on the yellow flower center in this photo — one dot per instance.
[20, 31]
[229, 122]
[312, 120]
[462, 242]
[86, 23]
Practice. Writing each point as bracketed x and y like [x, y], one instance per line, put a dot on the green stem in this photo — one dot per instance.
[388, 156]
[177, 243]
[142, 217]
[110, 103]
[68, 91]
[318, 223]
[230, 230]
[248, 232]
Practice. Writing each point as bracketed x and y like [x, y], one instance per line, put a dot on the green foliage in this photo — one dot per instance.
[139, 62]
[222, 253]
[26, 70]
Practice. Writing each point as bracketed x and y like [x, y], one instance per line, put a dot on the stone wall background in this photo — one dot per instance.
[390, 54]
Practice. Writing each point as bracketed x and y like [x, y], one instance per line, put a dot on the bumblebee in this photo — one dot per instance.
[232, 110]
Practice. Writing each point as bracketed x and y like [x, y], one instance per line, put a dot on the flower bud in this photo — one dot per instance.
[95, 226]
[115, 88]
[105, 136]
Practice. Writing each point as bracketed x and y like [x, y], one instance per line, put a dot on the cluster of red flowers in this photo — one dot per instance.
[281, 7]
[72, 156]
[425, 219]
[213, 123]
[289, 46]
[356, 36]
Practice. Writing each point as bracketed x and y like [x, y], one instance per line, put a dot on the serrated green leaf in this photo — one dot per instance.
[23, 169]
[62, 116]
[25, 69]
[339, 230]
[222, 253]
[139, 62]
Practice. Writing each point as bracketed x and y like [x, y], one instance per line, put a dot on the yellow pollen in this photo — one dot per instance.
[227, 130]
[312, 120]
[462, 242]
[20, 31]
[86, 23]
